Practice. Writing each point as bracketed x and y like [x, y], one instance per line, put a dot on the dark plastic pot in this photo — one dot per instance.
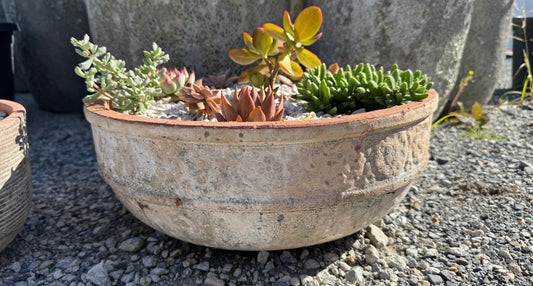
[6, 60]
[519, 47]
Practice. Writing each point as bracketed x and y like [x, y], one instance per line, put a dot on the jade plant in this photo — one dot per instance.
[247, 105]
[341, 91]
[274, 49]
[106, 78]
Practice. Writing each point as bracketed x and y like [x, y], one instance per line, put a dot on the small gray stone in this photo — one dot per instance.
[16, 267]
[46, 264]
[227, 268]
[58, 274]
[145, 281]
[287, 258]
[325, 278]
[269, 266]
[457, 251]
[98, 275]
[413, 252]
[20, 283]
[411, 262]
[435, 279]
[128, 277]
[448, 275]
[116, 275]
[331, 257]
[344, 266]
[478, 233]
[350, 277]
[387, 274]
[431, 253]
[132, 244]
[309, 281]
[311, 264]
[159, 271]
[213, 281]
[461, 261]
[149, 261]
[397, 262]
[69, 278]
[203, 266]
[376, 236]
[355, 276]
[515, 268]
[505, 254]
[262, 257]
[422, 264]
[295, 281]
[304, 254]
[432, 270]
[371, 254]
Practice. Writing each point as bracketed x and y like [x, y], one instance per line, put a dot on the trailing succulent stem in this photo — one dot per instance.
[276, 49]
[342, 91]
[247, 105]
[127, 91]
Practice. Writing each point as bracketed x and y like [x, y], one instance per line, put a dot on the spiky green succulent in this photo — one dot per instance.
[364, 86]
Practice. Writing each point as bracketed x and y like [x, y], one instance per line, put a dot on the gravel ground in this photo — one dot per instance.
[467, 221]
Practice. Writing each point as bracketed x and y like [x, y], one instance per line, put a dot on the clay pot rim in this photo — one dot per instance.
[14, 110]
[98, 108]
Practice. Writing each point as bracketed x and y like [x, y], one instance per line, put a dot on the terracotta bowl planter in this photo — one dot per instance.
[263, 186]
[15, 174]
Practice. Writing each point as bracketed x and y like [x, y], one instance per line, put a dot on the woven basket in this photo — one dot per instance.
[15, 174]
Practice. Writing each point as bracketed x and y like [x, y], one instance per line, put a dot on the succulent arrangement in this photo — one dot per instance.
[364, 86]
[273, 49]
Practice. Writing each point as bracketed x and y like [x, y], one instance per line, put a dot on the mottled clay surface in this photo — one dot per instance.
[15, 174]
[421, 35]
[484, 51]
[263, 186]
[196, 34]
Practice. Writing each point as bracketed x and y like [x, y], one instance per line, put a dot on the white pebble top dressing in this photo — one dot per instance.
[294, 109]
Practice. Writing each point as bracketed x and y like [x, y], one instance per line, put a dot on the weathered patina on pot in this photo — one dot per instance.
[263, 186]
[15, 174]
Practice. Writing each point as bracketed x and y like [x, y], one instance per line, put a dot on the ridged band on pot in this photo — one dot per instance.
[263, 186]
[15, 174]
